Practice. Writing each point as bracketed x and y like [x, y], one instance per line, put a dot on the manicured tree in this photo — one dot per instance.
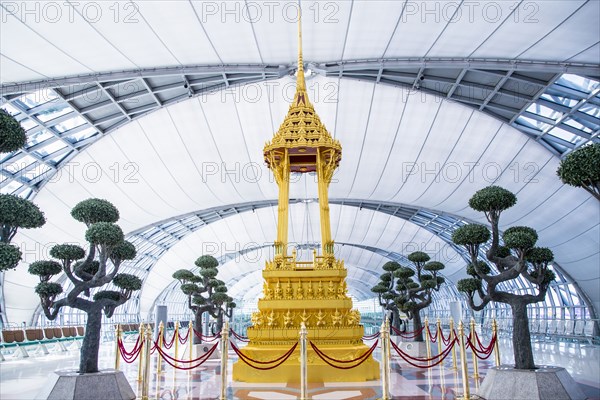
[15, 212]
[205, 293]
[12, 134]
[386, 292]
[416, 294]
[408, 295]
[518, 257]
[581, 168]
[87, 273]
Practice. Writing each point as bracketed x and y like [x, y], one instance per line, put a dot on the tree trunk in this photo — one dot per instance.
[521, 337]
[197, 327]
[417, 325]
[219, 324]
[395, 322]
[88, 360]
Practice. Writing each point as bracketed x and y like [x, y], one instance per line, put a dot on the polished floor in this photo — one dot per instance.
[23, 378]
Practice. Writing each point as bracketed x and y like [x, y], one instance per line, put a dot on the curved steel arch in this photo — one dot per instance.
[107, 101]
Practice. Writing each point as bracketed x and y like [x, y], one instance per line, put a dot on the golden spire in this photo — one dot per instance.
[300, 82]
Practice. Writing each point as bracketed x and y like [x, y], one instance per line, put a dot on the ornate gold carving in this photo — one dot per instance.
[300, 292]
[310, 293]
[330, 291]
[288, 319]
[272, 319]
[336, 318]
[278, 291]
[341, 290]
[320, 318]
[288, 291]
[320, 291]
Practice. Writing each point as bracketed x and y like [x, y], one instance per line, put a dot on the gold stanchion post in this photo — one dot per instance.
[176, 339]
[463, 362]
[224, 350]
[303, 367]
[452, 337]
[473, 354]
[385, 359]
[141, 356]
[146, 375]
[427, 341]
[117, 352]
[438, 324]
[161, 329]
[496, 347]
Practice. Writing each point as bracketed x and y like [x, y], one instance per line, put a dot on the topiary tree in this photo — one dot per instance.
[15, 212]
[518, 257]
[399, 291]
[205, 293]
[12, 134]
[89, 273]
[581, 168]
[386, 292]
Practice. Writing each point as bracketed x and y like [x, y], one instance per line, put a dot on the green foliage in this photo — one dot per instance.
[207, 262]
[407, 306]
[581, 168]
[391, 266]
[418, 257]
[502, 252]
[404, 273]
[92, 211]
[434, 266]
[429, 284]
[231, 304]
[386, 277]
[220, 298]
[214, 282]
[45, 269]
[221, 289]
[440, 280]
[12, 134]
[107, 294]
[492, 198]
[127, 282]
[388, 296]
[549, 276]
[208, 272]
[379, 288]
[48, 289]
[189, 288]
[198, 279]
[123, 251]
[481, 266]
[471, 234]
[412, 285]
[104, 233]
[539, 255]
[16, 212]
[183, 275]
[10, 256]
[198, 300]
[67, 252]
[520, 237]
[468, 285]
[89, 268]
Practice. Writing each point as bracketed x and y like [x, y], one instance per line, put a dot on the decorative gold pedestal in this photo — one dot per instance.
[310, 292]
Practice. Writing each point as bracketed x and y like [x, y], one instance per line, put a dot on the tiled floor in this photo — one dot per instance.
[24, 378]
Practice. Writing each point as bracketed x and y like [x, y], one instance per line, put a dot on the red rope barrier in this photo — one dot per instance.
[207, 356]
[431, 337]
[169, 345]
[445, 340]
[319, 351]
[207, 338]
[407, 335]
[234, 347]
[130, 357]
[371, 337]
[184, 339]
[366, 357]
[485, 352]
[407, 358]
[239, 337]
[283, 358]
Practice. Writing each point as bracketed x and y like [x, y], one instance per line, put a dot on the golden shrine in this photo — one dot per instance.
[309, 292]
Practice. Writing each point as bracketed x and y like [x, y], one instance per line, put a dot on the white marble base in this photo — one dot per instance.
[551, 383]
[106, 384]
